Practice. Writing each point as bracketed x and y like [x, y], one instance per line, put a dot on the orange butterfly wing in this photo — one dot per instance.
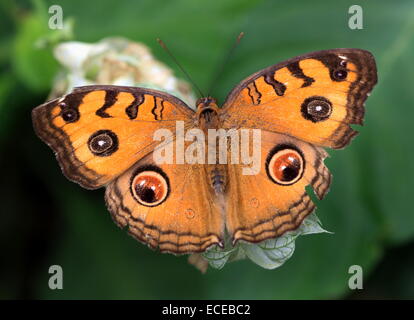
[189, 220]
[305, 103]
[314, 97]
[259, 208]
[121, 119]
[103, 134]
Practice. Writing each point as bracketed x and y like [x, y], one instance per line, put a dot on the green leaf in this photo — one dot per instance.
[32, 63]
[269, 254]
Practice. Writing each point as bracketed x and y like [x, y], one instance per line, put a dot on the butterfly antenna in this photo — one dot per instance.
[219, 70]
[162, 44]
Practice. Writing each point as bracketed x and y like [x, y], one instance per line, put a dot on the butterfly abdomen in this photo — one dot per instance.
[218, 178]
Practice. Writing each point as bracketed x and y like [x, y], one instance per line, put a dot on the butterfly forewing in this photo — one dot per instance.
[98, 132]
[314, 97]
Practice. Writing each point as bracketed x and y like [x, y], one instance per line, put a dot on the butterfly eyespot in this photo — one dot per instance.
[103, 143]
[189, 213]
[285, 165]
[70, 115]
[254, 202]
[340, 74]
[150, 188]
[316, 109]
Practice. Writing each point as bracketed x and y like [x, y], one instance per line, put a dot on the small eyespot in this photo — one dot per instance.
[150, 188]
[189, 213]
[103, 143]
[343, 63]
[316, 108]
[285, 166]
[339, 74]
[70, 115]
[254, 202]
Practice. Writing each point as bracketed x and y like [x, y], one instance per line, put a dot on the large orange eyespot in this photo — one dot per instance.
[150, 187]
[285, 165]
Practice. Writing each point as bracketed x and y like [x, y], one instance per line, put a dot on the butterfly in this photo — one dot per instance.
[103, 136]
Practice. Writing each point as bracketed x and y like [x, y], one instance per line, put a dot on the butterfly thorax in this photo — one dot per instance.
[207, 113]
[208, 118]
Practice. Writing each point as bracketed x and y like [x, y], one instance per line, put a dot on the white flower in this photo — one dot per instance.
[115, 61]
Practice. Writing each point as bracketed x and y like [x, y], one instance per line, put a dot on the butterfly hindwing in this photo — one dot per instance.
[274, 200]
[186, 220]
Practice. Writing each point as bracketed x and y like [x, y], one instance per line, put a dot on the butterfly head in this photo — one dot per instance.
[205, 103]
[207, 111]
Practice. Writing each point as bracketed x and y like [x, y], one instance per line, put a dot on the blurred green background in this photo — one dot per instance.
[46, 220]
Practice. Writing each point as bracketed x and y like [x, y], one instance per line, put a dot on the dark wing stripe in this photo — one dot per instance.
[158, 108]
[162, 108]
[254, 94]
[132, 109]
[297, 72]
[294, 205]
[110, 99]
[279, 87]
[72, 100]
[304, 207]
